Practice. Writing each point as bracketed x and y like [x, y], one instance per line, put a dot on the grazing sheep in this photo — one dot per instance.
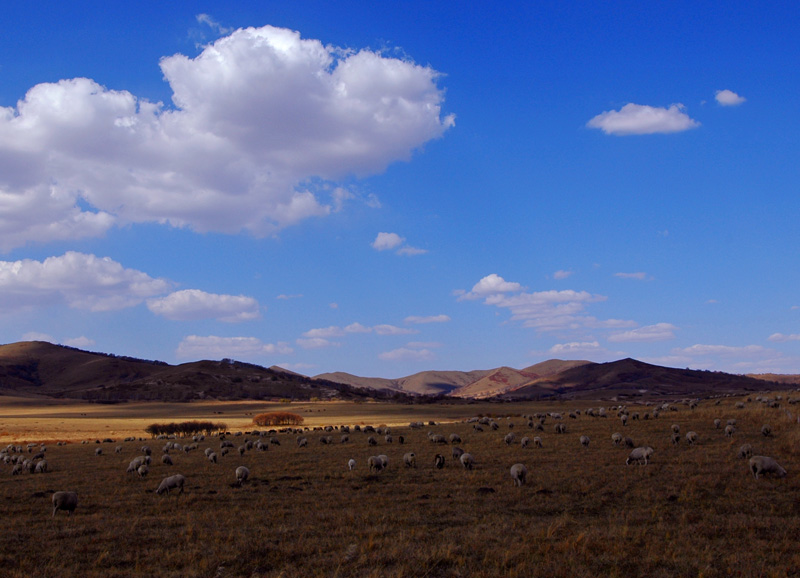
[344, 439]
[455, 438]
[16, 470]
[766, 430]
[628, 442]
[467, 461]
[135, 463]
[212, 457]
[371, 441]
[438, 461]
[41, 467]
[585, 441]
[388, 439]
[624, 419]
[524, 442]
[676, 428]
[729, 429]
[717, 423]
[302, 442]
[410, 460]
[537, 441]
[166, 460]
[351, 464]
[170, 483]
[242, 449]
[745, 451]
[509, 439]
[118, 450]
[691, 437]
[616, 438]
[676, 438]
[560, 428]
[143, 470]
[375, 464]
[640, 455]
[242, 473]
[146, 450]
[457, 452]
[765, 465]
[66, 501]
[98, 452]
[519, 473]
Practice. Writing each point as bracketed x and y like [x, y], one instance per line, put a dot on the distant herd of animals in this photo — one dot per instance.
[31, 457]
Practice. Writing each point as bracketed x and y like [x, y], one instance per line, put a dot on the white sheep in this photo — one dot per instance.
[729, 429]
[143, 470]
[766, 465]
[351, 464]
[170, 483]
[242, 473]
[98, 452]
[467, 461]
[537, 441]
[616, 438]
[212, 457]
[519, 473]
[585, 441]
[524, 442]
[676, 428]
[166, 460]
[509, 439]
[455, 438]
[560, 428]
[766, 430]
[410, 460]
[691, 437]
[745, 451]
[66, 501]
[375, 464]
[438, 461]
[41, 467]
[135, 463]
[640, 455]
[717, 423]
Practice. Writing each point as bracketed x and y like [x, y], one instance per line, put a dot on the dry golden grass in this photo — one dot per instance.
[694, 511]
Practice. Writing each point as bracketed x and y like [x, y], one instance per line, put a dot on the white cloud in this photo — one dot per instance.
[357, 328]
[724, 350]
[36, 336]
[728, 98]
[316, 343]
[79, 280]
[213, 24]
[642, 119]
[657, 332]
[410, 251]
[392, 330]
[639, 276]
[561, 274]
[214, 347]
[490, 285]
[285, 297]
[193, 304]
[418, 320]
[576, 347]
[324, 332]
[548, 310]
[263, 125]
[386, 241]
[781, 338]
[80, 342]
[391, 241]
[407, 354]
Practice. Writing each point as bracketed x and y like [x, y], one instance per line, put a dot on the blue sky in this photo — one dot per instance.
[386, 188]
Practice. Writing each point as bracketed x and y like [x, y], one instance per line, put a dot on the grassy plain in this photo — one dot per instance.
[694, 511]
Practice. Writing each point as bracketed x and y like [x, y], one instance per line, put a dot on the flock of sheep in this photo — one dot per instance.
[17, 456]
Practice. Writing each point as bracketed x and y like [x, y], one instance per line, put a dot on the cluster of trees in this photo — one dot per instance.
[277, 418]
[185, 428]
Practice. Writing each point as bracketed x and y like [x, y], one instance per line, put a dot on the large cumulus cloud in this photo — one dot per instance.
[262, 121]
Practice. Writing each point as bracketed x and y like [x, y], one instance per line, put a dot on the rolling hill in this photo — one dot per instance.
[43, 369]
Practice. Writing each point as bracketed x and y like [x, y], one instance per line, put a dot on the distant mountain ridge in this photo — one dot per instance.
[43, 369]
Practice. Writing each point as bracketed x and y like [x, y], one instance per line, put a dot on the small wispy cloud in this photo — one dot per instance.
[638, 276]
[561, 274]
[636, 119]
[781, 338]
[657, 332]
[418, 320]
[729, 98]
[394, 242]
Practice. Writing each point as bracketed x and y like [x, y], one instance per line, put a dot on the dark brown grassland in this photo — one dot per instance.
[694, 511]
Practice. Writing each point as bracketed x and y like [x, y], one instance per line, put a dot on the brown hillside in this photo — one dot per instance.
[629, 378]
[496, 383]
